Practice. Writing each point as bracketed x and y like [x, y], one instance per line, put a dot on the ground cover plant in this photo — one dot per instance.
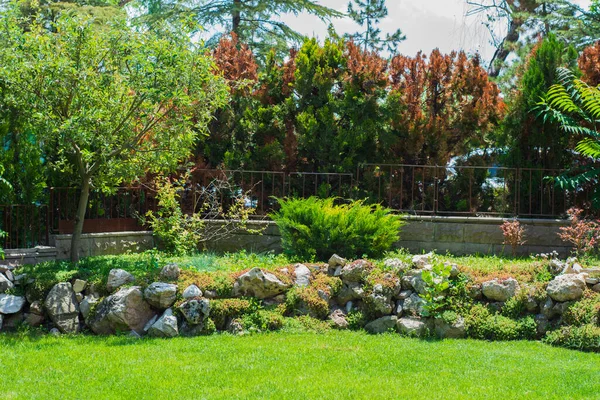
[349, 365]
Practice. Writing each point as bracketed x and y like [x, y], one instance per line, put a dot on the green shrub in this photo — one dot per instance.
[584, 312]
[221, 311]
[585, 338]
[356, 320]
[480, 323]
[316, 228]
[306, 301]
[262, 320]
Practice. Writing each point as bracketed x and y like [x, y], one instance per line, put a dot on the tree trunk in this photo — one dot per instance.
[502, 52]
[236, 16]
[79, 218]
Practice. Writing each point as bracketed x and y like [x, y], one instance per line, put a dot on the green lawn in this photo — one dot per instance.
[340, 365]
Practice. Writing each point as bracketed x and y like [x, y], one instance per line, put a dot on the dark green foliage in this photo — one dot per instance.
[315, 229]
[585, 338]
[262, 320]
[223, 311]
[584, 312]
[480, 323]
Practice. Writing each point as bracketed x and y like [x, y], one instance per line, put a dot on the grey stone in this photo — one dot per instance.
[62, 307]
[414, 280]
[338, 271]
[161, 295]
[79, 297]
[396, 264]
[191, 292]
[500, 290]
[118, 278]
[170, 272]
[1, 321]
[596, 288]
[421, 260]
[86, 305]
[413, 327]
[349, 292]
[10, 304]
[336, 261]
[5, 284]
[150, 323]
[339, 319]
[567, 287]
[165, 326]
[259, 284]
[414, 305]
[79, 285]
[349, 306]
[547, 308]
[380, 301]
[382, 325]
[275, 301]
[475, 292]
[404, 294]
[210, 294]
[54, 332]
[399, 308]
[195, 311]
[454, 330]
[9, 275]
[454, 270]
[34, 320]
[36, 308]
[355, 271]
[302, 275]
[122, 311]
[541, 324]
[560, 308]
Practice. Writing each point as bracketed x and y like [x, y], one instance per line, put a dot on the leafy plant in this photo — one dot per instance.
[437, 282]
[585, 338]
[317, 228]
[581, 233]
[480, 323]
[514, 234]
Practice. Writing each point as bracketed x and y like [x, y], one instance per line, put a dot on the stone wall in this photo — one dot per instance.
[458, 235]
[101, 244]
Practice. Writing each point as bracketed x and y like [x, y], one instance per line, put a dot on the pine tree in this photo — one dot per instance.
[368, 14]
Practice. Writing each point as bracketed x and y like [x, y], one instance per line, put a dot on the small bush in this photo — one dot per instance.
[514, 234]
[262, 320]
[315, 229]
[222, 311]
[584, 338]
[356, 320]
[584, 312]
[306, 301]
[480, 323]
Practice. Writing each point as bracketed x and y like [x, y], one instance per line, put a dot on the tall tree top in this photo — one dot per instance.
[368, 14]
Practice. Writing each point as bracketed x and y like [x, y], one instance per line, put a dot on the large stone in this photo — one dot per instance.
[380, 300]
[336, 261]
[454, 330]
[191, 292]
[356, 271]
[165, 326]
[414, 305]
[349, 292]
[10, 304]
[302, 275]
[413, 327]
[422, 260]
[414, 280]
[79, 285]
[86, 305]
[195, 311]
[382, 325]
[338, 318]
[161, 295]
[5, 284]
[122, 311]
[170, 272]
[500, 290]
[62, 307]
[259, 284]
[118, 278]
[567, 287]
[396, 264]
[34, 320]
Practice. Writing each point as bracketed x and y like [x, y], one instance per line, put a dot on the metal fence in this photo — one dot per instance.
[414, 189]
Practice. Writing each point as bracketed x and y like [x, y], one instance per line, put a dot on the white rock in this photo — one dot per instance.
[382, 325]
[414, 305]
[165, 326]
[500, 290]
[191, 292]
[9, 275]
[302, 275]
[118, 278]
[336, 261]
[86, 305]
[421, 260]
[413, 327]
[79, 285]
[355, 271]
[259, 284]
[161, 295]
[567, 287]
[10, 304]
[5, 284]
[195, 311]
[455, 330]
[62, 307]
[170, 272]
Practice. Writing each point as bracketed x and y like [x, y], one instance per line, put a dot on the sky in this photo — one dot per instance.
[427, 24]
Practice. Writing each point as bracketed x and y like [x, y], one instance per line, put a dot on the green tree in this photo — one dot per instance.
[117, 103]
[367, 14]
[575, 107]
[530, 141]
[255, 22]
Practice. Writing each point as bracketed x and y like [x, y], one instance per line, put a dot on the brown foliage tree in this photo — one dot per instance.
[589, 64]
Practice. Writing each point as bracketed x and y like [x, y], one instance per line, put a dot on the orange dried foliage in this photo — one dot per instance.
[589, 64]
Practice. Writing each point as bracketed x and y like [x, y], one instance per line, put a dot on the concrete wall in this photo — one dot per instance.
[102, 244]
[457, 235]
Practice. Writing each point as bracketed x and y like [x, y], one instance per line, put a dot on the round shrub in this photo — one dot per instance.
[584, 338]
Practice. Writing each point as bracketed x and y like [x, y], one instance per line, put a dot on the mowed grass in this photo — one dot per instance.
[335, 365]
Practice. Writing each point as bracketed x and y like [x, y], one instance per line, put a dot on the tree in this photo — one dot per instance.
[117, 103]
[530, 141]
[575, 107]
[253, 21]
[367, 14]
[525, 21]
[589, 64]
